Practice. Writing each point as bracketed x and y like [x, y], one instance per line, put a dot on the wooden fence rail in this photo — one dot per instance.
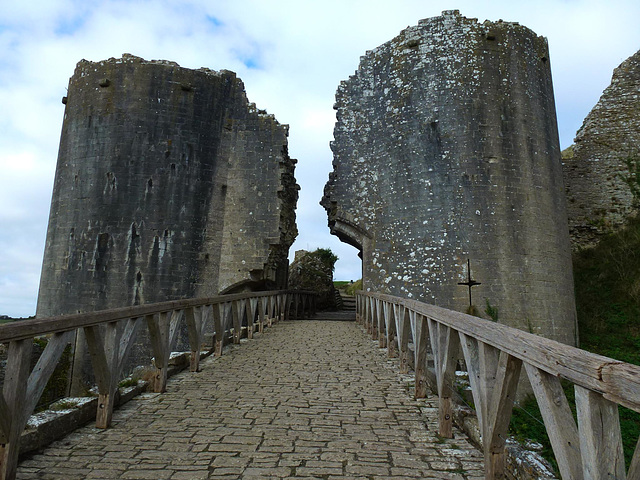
[495, 355]
[110, 335]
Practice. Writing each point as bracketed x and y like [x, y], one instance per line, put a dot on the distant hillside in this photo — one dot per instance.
[7, 319]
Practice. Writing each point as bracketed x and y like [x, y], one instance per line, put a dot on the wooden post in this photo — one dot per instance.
[196, 320]
[367, 311]
[420, 342]
[281, 305]
[237, 320]
[493, 376]
[402, 327]
[289, 307]
[103, 343]
[219, 314]
[276, 308]
[382, 337]
[445, 346]
[500, 405]
[21, 392]
[13, 397]
[373, 319]
[174, 322]
[270, 300]
[600, 439]
[252, 304]
[283, 302]
[159, 334]
[262, 308]
[634, 468]
[390, 329]
[558, 421]
[109, 345]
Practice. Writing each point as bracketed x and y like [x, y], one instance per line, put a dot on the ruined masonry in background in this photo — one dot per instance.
[598, 198]
[446, 150]
[169, 185]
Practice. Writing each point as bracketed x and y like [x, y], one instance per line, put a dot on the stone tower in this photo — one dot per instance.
[595, 167]
[446, 154]
[169, 184]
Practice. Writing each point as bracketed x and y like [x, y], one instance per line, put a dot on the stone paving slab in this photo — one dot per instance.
[304, 400]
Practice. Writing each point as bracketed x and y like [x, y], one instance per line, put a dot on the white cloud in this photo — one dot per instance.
[291, 56]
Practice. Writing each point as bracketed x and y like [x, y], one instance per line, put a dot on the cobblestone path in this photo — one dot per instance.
[307, 399]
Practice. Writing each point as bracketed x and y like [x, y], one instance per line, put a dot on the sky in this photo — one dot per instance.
[291, 56]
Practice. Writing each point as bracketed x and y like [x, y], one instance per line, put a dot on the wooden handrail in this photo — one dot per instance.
[110, 335]
[615, 379]
[35, 327]
[494, 355]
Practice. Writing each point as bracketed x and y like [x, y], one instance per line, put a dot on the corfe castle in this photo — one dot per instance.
[447, 171]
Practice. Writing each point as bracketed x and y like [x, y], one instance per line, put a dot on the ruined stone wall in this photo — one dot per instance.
[594, 168]
[261, 182]
[446, 150]
[142, 210]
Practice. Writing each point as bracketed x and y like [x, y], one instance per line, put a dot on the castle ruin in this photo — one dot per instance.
[169, 184]
[446, 155]
[595, 167]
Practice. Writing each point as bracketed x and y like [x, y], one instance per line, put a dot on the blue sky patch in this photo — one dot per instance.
[216, 22]
[69, 25]
[251, 62]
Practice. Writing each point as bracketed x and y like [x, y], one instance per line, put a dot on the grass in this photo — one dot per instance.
[351, 288]
[607, 287]
[128, 382]
[63, 405]
[347, 286]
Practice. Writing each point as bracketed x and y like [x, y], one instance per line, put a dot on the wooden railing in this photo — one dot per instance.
[494, 355]
[110, 335]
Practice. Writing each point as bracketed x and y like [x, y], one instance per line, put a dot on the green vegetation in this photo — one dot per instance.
[607, 282]
[348, 287]
[128, 382]
[314, 271]
[63, 405]
[327, 257]
[56, 387]
[491, 311]
[352, 287]
[607, 286]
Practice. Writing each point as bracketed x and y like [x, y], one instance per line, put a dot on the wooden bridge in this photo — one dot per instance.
[433, 341]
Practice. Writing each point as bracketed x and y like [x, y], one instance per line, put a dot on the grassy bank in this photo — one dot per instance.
[607, 287]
